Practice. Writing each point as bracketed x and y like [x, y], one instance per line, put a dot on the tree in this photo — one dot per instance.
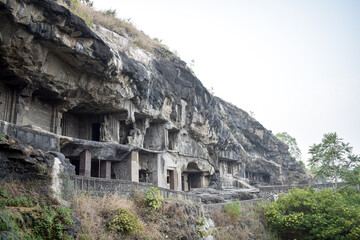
[291, 142]
[353, 177]
[332, 158]
[309, 214]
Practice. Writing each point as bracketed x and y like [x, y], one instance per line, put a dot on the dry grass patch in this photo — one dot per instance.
[123, 27]
[250, 225]
[96, 213]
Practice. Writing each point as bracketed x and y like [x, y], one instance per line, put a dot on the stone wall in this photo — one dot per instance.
[41, 140]
[209, 208]
[102, 186]
[36, 111]
[270, 191]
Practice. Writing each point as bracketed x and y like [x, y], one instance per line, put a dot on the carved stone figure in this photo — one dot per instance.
[135, 137]
[105, 135]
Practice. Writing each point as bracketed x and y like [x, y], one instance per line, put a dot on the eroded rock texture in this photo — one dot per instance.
[90, 83]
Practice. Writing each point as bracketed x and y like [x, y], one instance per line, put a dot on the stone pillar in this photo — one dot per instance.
[174, 179]
[134, 167]
[85, 163]
[158, 179]
[105, 171]
[184, 182]
[202, 180]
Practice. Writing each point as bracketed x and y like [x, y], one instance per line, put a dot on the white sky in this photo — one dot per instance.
[294, 63]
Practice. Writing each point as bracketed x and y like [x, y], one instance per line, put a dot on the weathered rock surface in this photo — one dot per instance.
[209, 195]
[48, 171]
[49, 53]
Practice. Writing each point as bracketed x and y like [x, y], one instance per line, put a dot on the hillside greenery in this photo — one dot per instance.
[308, 214]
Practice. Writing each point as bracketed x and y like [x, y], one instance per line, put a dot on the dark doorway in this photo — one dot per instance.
[144, 176]
[76, 163]
[194, 180]
[95, 133]
[172, 179]
[183, 183]
[95, 169]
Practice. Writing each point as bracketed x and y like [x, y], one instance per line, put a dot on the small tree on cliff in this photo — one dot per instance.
[332, 158]
[87, 2]
[291, 142]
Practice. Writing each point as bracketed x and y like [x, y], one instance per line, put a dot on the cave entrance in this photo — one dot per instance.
[194, 180]
[76, 163]
[95, 132]
[171, 179]
[81, 125]
[95, 168]
[193, 177]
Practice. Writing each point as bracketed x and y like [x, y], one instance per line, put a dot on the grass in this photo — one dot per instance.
[170, 221]
[122, 27]
[26, 214]
[173, 220]
[249, 225]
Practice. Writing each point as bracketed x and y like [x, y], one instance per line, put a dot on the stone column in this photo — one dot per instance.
[105, 171]
[202, 180]
[158, 179]
[174, 180]
[185, 182]
[134, 167]
[85, 163]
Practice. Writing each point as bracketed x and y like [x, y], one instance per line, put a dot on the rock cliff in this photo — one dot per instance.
[51, 57]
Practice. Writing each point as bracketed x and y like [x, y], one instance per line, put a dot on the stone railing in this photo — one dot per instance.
[101, 186]
[270, 191]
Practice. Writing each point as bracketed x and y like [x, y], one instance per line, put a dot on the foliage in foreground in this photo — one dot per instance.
[23, 217]
[309, 214]
[249, 222]
[153, 199]
[126, 222]
[233, 211]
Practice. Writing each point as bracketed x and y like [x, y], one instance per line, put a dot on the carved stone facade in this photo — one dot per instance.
[123, 112]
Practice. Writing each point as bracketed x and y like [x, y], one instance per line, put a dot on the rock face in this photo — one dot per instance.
[47, 172]
[90, 83]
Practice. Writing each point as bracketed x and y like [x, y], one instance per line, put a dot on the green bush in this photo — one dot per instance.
[125, 222]
[233, 211]
[153, 199]
[64, 211]
[21, 201]
[200, 230]
[309, 214]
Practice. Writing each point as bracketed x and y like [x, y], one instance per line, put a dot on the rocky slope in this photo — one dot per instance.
[47, 51]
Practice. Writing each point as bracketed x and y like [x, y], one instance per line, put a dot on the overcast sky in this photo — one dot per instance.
[294, 63]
